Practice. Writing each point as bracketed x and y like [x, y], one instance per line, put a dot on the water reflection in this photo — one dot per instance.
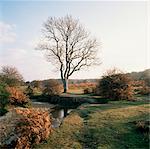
[58, 116]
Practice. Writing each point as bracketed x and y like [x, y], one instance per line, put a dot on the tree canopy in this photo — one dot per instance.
[68, 46]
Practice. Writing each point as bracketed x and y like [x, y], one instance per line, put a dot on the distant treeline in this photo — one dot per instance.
[142, 75]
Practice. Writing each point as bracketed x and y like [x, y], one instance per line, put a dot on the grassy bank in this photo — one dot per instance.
[102, 126]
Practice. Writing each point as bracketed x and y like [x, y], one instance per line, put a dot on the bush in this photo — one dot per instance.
[90, 90]
[87, 90]
[17, 97]
[52, 88]
[116, 86]
[29, 91]
[3, 111]
[3, 99]
[4, 94]
[143, 126]
[32, 127]
[145, 90]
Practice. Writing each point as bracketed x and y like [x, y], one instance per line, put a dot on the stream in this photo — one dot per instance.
[57, 114]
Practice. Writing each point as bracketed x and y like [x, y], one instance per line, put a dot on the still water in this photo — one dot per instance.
[57, 114]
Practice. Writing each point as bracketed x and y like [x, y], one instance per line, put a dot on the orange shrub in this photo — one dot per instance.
[17, 97]
[34, 127]
[82, 85]
[31, 127]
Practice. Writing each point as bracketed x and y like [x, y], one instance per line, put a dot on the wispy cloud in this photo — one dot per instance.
[7, 34]
[29, 62]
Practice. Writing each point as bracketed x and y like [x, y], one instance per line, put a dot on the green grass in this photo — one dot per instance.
[64, 137]
[102, 126]
[114, 128]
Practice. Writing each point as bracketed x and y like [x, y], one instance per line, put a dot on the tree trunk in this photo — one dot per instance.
[65, 85]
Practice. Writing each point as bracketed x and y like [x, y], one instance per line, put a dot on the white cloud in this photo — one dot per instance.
[7, 34]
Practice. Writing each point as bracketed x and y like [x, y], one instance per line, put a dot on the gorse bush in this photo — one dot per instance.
[52, 87]
[116, 86]
[17, 97]
[4, 94]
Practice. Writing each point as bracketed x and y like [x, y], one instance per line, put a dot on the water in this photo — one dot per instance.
[57, 114]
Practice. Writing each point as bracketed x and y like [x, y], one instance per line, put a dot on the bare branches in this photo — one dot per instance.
[68, 44]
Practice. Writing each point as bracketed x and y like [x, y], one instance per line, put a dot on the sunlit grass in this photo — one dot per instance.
[98, 126]
[113, 127]
[64, 137]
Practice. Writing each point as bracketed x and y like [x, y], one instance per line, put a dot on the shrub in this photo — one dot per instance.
[90, 90]
[3, 96]
[52, 88]
[17, 97]
[29, 91]
[3, 99]
[145, 90]
[87, 90]
[32, 127]
[116, 86]
[143, 126]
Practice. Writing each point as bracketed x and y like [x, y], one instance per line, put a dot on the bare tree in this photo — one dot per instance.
[68, 45]
[11, 76]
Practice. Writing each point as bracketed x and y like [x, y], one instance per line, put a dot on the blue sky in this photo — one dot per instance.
[120, 27]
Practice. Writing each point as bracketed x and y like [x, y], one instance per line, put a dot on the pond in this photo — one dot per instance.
[57, 113]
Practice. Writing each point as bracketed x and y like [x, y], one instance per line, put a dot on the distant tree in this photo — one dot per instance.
[36, 84]
[141, 76]
[146, 77]
[10, 76]
[68, 46]
[116, 85]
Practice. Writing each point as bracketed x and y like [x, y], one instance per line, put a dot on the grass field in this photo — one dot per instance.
[101, 126]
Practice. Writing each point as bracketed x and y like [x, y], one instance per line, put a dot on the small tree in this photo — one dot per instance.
[68, 46]
[116, 86]
[10, 76]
